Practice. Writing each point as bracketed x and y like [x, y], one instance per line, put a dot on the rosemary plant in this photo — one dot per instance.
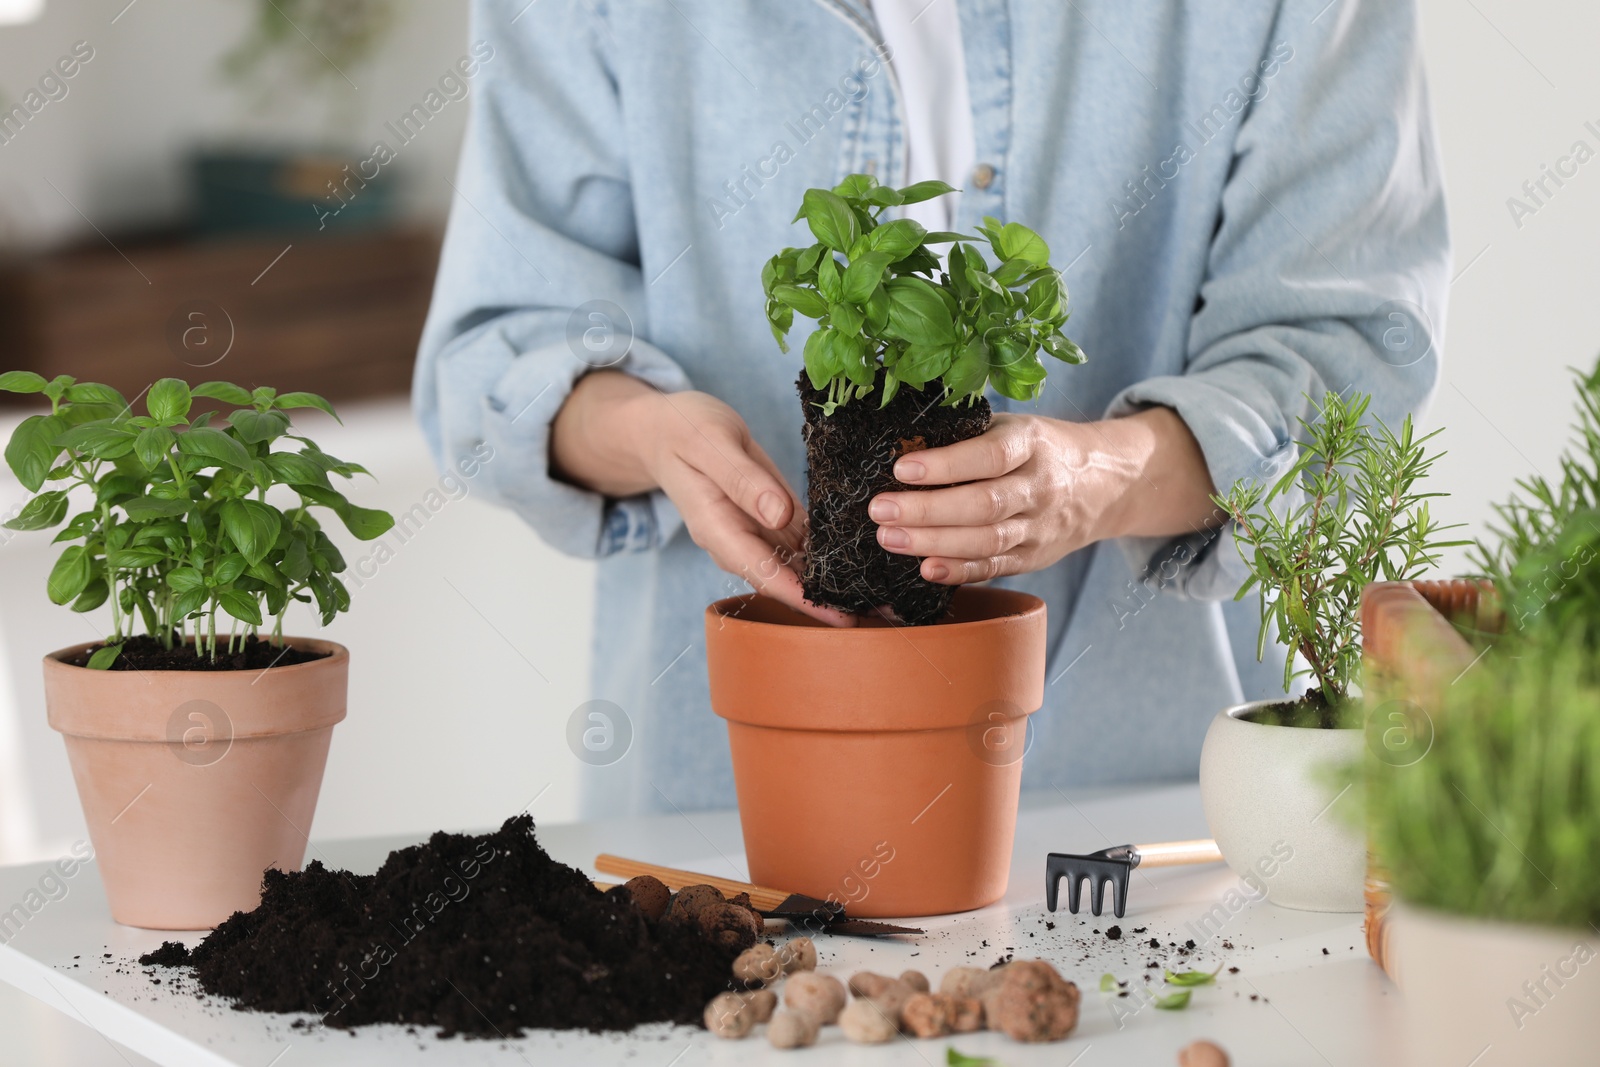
[1361, 520]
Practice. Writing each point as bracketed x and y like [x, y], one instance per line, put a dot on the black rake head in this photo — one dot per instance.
[1108, 865]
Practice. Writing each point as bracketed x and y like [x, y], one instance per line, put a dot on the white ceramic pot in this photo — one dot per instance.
[1268, 798]
[1495, 994]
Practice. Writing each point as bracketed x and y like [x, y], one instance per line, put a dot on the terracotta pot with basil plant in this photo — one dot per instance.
[880, 764]
[1489, 832]
[197, 744]
[1269, 770]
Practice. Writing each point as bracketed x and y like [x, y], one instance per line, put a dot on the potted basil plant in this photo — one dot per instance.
[898, 737]
[198, 744]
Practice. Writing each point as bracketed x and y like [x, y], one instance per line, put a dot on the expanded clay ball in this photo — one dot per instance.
[798, 955]
[650, 895]
[969, 981]
[729, 925]
[928, 1015]
[792, 1029]
[865, 1023]
[916, 980]
[821, 996]
[691, 899]
[966, 1014]
[868, 984]
[1032, 1003]
[757, 964]
[729, 1015]
[762, 1002]
[1202, 1054]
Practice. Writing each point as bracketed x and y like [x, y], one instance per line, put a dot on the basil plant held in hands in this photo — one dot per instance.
[177, 525]
[891, 313]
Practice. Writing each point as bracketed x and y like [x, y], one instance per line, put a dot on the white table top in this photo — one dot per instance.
[1314, 1008]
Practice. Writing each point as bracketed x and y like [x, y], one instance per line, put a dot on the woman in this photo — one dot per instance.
[1245, 200]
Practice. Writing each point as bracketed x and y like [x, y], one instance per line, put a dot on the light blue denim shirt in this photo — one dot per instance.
[1245, 198]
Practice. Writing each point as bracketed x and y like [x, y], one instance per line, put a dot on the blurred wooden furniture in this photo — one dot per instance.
[336, 315]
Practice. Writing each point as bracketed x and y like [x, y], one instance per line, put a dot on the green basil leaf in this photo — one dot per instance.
[1192, 978]
[242, 606]
[254, 426]
[850, 353]
[1018, 242]
[846, 318]
[42, 512]
[1063, 349]
[130, 558]
[861, 277]
[1108, 982]
[95, 393]
[98, 439]
[104, 657]
[215, 447]
[94, 594]
[169, 401]
[883, 196]
[828, 282]
[185, 579]
[153, 507]
[920, 364]
[70, 576]
[226, 392]
[831, 220]
[296, 468]
[806, 301]
[227, 569]
[252, 527]
[916, 194]
[878, 308]
[1174, 1001]
[296, 564]
[22, 381]
[917, 313]
[1010, 272]
[939, 237]
[856, 185]
[898, 238]
[154, 445]
[306, 400]
[969, 370]
[819, 359]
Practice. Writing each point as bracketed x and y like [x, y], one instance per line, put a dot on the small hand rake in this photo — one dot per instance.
[1114, 865]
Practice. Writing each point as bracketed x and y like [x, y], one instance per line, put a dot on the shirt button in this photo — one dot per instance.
[983, 176]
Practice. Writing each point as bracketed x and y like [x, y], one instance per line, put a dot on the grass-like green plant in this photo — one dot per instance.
[176, 526]
[1362, 520]
[890, 312]
[1501, 817]
[1547, 538]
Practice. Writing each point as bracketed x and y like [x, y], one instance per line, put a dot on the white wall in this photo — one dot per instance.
[469, 739]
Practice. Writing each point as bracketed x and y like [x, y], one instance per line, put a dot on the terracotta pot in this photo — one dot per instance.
[195, 782]
[880, 765]
[1494, 993]
[1267, 795]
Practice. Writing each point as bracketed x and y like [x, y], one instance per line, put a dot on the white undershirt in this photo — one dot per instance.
[924, 37]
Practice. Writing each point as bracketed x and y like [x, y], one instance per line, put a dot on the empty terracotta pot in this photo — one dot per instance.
[879, 766]
[195, 782]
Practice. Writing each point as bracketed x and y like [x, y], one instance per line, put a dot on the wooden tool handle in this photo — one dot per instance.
[763, 898]
[1177, 853]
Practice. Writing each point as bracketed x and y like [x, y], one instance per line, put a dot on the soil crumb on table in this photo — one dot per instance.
[484, 936]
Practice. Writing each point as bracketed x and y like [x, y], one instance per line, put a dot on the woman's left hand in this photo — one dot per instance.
[1032, 489]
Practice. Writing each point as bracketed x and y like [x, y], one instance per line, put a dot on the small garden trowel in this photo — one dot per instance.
[1114, 865]
[797, 908]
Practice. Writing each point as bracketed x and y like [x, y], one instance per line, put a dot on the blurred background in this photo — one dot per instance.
[201, 198]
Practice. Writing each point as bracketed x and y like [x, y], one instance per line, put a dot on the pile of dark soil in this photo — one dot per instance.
[850, 456]
[1310, 711]
[483, 936]
[145, 653]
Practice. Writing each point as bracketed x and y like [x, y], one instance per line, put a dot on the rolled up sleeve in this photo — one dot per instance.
[538, 281]
[1329, 267]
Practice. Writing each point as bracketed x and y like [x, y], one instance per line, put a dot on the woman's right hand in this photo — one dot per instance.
[621, 437]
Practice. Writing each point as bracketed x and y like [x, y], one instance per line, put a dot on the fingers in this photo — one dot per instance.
[975, 504]
[737, 544]
[947, 571]
[1002, 449]
[957, 542]
[721, 448]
